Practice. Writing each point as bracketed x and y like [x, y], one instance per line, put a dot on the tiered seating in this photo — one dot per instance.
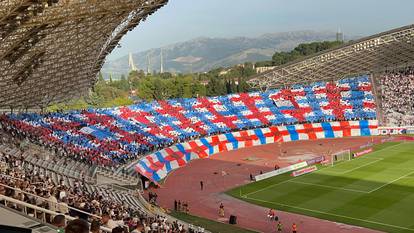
[397, 95]
[57, 172]
[42, 178]
[27, 177]
[116, 135]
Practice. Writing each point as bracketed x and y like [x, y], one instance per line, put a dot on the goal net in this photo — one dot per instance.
[340, 156]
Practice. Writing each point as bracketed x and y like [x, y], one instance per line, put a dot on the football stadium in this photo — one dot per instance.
[323, 142]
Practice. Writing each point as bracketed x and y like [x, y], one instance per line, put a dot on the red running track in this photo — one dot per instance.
[184, 184]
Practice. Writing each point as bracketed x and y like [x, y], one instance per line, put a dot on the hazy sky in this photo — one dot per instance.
[181, 20]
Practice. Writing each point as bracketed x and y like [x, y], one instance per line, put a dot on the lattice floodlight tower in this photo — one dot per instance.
[52, 50]
[374, 54]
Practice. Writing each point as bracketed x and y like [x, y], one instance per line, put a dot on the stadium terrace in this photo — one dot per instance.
[118, 135]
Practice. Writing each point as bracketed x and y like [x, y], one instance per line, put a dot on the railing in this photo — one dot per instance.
[38, 212]
[48, 201]
[41, 213]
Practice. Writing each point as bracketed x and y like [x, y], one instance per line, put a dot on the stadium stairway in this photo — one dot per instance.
[107, 176]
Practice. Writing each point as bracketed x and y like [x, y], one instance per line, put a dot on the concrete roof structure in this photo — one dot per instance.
[52, 50]
[376, 53]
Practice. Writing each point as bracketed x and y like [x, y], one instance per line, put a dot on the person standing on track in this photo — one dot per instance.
[221, 210]
[271, 214]
[294, 228]
[201, 185]
[279, 227]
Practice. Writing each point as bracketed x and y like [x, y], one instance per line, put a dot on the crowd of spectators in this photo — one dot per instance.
[397, 97]
[114, 136]
[29, 184]
[118, 135]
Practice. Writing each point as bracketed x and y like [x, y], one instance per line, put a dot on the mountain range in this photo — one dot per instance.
[203, 54]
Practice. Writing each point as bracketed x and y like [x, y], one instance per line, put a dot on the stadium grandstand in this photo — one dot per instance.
[94, 164]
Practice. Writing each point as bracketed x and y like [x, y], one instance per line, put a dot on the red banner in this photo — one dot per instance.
[304, 171]
[357, 154]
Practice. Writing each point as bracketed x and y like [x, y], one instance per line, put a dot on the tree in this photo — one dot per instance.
[302, 50]
[242, 85]
[233, 86]
[146, 89]
[134, 77]
[100, 77]
[216, 87]
[110, 79]
[121, 84]
[198, 90]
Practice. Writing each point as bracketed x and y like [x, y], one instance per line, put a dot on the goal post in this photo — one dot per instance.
[340, 156]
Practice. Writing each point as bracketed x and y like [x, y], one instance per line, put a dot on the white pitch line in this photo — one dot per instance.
[392, 181]
[386, 148]
[271, 186]
[356, 168]
[285, 181]
[290, 180]
[328, 186]
[332, 214]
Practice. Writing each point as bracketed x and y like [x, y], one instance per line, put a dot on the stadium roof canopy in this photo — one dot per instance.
[384, 51]
[52, 50]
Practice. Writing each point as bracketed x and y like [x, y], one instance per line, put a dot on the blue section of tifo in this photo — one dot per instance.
[364, 127]
[294, 136]
[260, 135]
[327, 128]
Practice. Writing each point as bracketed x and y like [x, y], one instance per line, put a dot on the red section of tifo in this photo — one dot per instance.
[230, 169]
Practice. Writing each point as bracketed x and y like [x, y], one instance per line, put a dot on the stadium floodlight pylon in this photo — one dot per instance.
[340, 156]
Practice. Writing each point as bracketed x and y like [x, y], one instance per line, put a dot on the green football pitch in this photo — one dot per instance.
[374, 191]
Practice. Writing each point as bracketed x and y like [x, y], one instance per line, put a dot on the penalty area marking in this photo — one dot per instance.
[356, 168]
[328, 186]
[332, 214]
[392, 181]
